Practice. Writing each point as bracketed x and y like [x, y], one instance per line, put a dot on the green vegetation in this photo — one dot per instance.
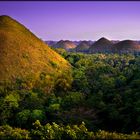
[41, 99]
[104, 95]
[55, 131]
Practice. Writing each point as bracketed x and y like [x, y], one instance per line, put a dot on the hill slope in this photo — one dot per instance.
[126, 46]
[22, 54]
[101, 45]
[65, 44]
[83, 46]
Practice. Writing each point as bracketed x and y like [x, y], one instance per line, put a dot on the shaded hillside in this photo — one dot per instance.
[24, 55]
[101, 45]
[51, 43]
[83, 46]
[126, 46]
[67, 45]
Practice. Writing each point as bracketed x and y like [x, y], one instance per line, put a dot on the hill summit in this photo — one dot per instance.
[65, 44]
[101, 45]
[24, 55]
[126, 46]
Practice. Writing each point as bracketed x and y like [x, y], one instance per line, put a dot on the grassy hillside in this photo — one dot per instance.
[101, 45]
[23, 55]
[65, 44]
[126, 46]
[83, 46]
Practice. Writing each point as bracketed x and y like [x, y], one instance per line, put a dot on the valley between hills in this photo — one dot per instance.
[67, 89]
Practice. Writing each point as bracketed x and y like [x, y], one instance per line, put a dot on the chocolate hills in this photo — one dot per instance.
[126, 46]
[24, 55]
[65, 44]
[83, 46]
[101, 45]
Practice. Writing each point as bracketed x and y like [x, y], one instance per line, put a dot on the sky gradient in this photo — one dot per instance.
[77, 20]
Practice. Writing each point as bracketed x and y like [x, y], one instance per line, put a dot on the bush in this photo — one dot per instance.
[55, 131]
[7, 132]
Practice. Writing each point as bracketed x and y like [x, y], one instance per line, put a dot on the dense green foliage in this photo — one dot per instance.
[104, 94]
[55, 131]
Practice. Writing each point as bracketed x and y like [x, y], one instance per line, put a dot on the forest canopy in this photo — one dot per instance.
[99, 101]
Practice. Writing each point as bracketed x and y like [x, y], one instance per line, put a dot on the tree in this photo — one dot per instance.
[38, 115]
[8, 105]
[23, 117]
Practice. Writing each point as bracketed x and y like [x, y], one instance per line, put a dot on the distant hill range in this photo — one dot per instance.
[24, 56]
[65, 44]
[102, 45]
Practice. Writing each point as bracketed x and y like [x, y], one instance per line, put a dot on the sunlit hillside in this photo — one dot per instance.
[23, 55]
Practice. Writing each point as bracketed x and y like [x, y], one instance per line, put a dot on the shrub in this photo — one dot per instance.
[7, 132]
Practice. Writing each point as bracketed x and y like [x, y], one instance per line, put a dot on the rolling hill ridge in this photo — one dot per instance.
[101, 45]
[83, 46]
[65, 44]
[126, 46]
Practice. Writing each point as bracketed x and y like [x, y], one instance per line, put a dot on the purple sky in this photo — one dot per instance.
[77, 20]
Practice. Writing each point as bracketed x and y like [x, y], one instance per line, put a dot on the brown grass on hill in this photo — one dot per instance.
[65, 44]
[22, 54]
[101, 45]
[126, 46]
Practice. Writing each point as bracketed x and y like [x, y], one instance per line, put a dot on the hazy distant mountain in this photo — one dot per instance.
[115, 41]
[76, 42]
[51, 43]
[65, 44]
[138, 42]
[101, 45]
